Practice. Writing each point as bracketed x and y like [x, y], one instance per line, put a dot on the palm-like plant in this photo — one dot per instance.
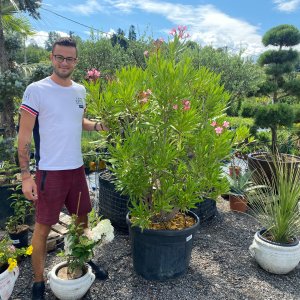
[277, 208]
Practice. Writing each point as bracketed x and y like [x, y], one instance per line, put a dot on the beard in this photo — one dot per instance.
[63, 75]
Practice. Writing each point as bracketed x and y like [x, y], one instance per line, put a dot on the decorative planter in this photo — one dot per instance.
[7, 283]
[70, 289]
[234, 170]
[262, 166]
[206, 210]
[274, 257]
[161, 254]
[20, 239]
[112, 205]
[238, 203]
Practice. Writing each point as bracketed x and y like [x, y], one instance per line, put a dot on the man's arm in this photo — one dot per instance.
[90, 125]
[24, 142]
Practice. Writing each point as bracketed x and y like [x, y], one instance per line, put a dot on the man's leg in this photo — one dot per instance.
[39, 242]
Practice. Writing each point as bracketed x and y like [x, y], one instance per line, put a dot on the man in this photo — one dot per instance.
[53, 109]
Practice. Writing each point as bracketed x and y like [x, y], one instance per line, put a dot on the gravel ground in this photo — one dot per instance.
[220, 268]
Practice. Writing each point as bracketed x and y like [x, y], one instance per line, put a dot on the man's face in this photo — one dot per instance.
[63, 60]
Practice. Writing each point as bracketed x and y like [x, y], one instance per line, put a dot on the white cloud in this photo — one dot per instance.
[88, 8]
[287, 5]
[207, 25]
[40, 37]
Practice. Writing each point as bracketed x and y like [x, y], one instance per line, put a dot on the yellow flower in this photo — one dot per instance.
[12, 264]
[29, 250]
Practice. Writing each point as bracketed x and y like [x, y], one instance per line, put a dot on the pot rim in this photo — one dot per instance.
[259, 236]
[166, 232]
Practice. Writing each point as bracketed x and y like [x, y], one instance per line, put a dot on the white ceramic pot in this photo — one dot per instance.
[274, 257]
[70, 289]
[7, 282]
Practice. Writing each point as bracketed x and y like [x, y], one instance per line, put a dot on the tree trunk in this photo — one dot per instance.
[3, 56]
[8, 123]
[274, 140]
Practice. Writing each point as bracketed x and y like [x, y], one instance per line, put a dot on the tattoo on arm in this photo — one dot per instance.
[24, 158]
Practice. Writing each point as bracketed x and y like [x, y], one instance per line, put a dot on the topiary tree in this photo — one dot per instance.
[280, 63]
[273, 116]
[280, 68]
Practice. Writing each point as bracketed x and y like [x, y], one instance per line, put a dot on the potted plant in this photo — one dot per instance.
[8, 181]
[163, 151]
[240, 184]
[276, 247]
[71, 279]
[9, 270]
[16, 223]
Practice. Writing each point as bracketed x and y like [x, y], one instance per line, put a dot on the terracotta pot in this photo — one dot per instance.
[238, 203]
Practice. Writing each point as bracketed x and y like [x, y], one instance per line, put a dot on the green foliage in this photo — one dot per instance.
[52, 37]
[80, 242]
[39, 72]
[273, 115]
[21, 207]
[277, 208]
[165, 154]
[240, 76]
[282, 35]
[241, 183]
[12, 84]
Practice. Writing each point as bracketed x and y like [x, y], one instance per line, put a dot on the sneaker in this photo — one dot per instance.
[38, 290]
[99, 272]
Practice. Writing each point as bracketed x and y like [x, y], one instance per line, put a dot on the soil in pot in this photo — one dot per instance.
[65, 274]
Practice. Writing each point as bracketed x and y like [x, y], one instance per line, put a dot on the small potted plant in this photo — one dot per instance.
[276, 246]
[240, 184]
[71, 279]
[9, 270]
[16, 223]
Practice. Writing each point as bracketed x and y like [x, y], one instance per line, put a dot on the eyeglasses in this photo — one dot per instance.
[60, 59]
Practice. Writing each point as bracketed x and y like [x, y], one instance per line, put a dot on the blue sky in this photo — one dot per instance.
[231, 23]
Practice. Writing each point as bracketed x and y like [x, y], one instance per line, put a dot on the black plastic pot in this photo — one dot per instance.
[20, 239]
[206, 210]
[161, 254]
[112, 204]
[5, 209]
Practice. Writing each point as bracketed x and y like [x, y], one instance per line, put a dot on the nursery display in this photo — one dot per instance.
[71, 279]
[276, 247]
[168, 135]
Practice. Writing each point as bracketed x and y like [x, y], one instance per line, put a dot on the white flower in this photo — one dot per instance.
[104, 227]
[108, 237]
[88, 233]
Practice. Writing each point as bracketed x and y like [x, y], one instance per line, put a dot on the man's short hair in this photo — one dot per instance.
[65, 41]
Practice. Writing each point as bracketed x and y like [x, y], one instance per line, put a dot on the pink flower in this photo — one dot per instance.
[225, 124]
[144, 100]
[93, 74]
[173, 31]
[146, 53]
[175, 106]
[213, 124]
[186, 104]
[219, 130]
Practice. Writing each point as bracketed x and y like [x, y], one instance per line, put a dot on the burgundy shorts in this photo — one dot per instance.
[59, 188]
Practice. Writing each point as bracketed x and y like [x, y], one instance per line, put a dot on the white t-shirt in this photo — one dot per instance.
[57, 131]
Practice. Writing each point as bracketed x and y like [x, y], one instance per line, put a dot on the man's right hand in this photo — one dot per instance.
[29, 189]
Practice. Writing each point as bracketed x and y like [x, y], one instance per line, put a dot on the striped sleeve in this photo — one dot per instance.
[31, 100]
[29, 109]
